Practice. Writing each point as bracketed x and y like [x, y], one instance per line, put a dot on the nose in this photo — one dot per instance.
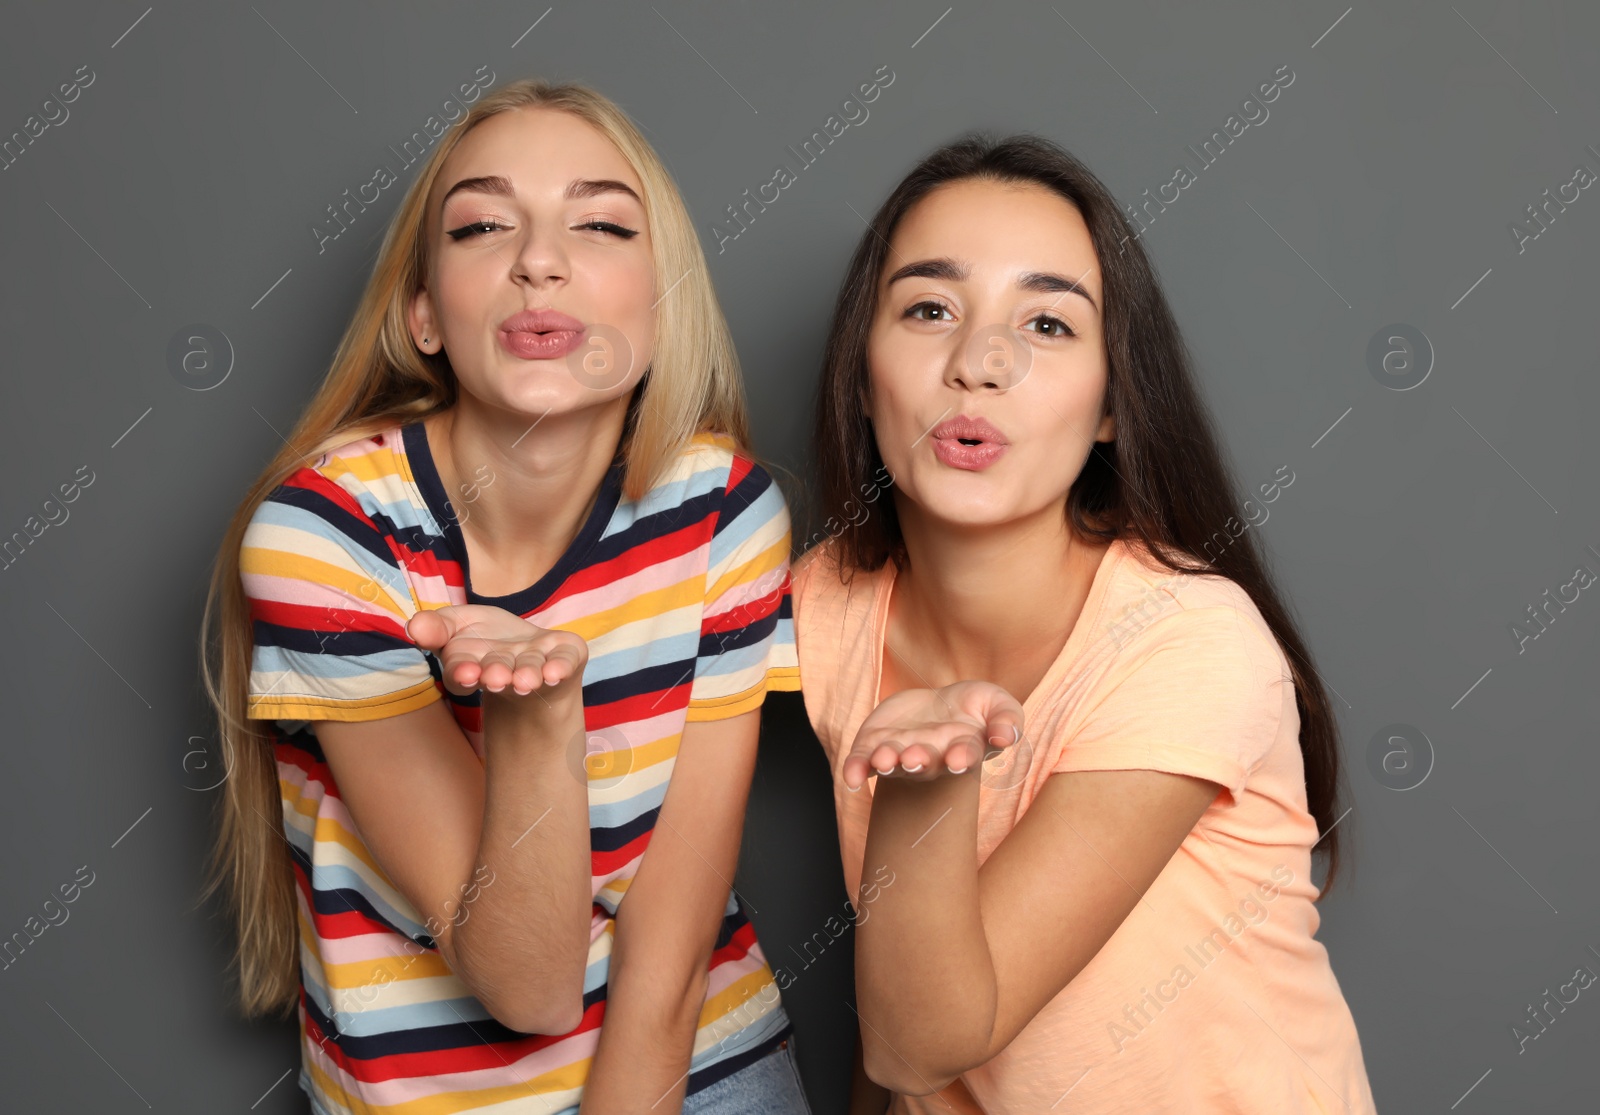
[991, 357]
[541, 260]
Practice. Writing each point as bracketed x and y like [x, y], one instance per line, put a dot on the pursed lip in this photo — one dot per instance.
[541, 321]
[965, 428]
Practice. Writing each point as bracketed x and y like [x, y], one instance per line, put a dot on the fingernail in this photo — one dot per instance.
[911, 770]
[853, 789]
[884, 770]
[958, 770]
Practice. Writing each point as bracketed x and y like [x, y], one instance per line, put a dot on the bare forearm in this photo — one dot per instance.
[925, 981]
[653, 1006]
[526, 936]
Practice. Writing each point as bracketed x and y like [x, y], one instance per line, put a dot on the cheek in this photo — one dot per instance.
[623, 297]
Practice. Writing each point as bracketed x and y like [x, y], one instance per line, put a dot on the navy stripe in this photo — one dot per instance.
[427, 1039]
[730, 1065]
[742, 495]
[358, 530]
[610, 839]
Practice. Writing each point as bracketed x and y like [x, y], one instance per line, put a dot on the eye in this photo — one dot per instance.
[911, 311]
[1052, 326]
[476, 228]
[614, 229]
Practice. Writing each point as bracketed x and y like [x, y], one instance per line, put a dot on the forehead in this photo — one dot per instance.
[539, 150]
[998, 229]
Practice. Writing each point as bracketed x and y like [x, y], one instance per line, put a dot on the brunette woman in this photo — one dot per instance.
[1067, 712]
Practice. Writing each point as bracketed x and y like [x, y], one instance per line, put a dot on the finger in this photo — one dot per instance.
[962, 753]
[563, 660]
[885, 758]
[528, 673]
[855, 771]
[1004, 720]
[865, 759]
[918, 757]
[497, 667]
[461, 673]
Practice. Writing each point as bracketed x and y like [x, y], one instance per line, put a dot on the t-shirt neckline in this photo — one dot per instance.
[1069, 652]
[414, 436]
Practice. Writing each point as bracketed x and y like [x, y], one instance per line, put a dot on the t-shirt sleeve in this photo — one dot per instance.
[1199, 693]
[747, 624]
[328, 607]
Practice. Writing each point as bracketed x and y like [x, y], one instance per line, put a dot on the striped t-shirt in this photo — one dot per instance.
[683, 599]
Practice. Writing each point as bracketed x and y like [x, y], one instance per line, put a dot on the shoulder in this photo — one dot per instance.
[335, 500]
[832, 604]
[1205, 626]
[713, 472]
[375, 465]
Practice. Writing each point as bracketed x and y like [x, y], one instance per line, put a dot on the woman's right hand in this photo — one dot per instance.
[488, 648]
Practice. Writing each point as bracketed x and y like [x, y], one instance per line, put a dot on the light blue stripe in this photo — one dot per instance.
[746, 522]
[674, 647]
[609, 815]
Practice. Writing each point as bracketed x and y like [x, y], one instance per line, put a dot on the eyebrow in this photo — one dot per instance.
[500, 186]
[1045, 282]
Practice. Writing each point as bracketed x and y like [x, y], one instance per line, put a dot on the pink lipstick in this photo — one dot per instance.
[968, 443]
[540, 334]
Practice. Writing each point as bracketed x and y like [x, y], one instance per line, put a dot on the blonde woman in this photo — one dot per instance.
[491, 636]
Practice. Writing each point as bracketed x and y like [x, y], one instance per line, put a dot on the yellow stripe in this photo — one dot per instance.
[372, 469]
[267, 562]
[735, 995]
[783, 678]
[446, 1103]
[746, 571]
[330, 831]
[645, 606]
[272, 707]
[355, 974]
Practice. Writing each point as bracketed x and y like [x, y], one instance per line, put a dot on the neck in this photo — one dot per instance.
[995, 603]
[521, 494]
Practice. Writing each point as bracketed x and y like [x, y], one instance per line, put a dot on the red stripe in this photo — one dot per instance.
[641, 706]
[329, 619]
[604, 863]
[348, 923]
[738, 470]
[653, 551]
[466, 1058]
[310, 480]
[737, 948]
[745, 614]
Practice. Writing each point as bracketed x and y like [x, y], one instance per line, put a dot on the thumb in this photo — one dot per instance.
[429, 630]
[1002, 717]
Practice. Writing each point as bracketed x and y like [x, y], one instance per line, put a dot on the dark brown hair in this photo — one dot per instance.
[1163, 481]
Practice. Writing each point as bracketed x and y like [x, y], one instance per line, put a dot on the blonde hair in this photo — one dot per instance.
[378, 379]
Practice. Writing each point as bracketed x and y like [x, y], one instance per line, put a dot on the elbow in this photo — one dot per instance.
[551, 1019]
[905, 1069]
[529, 998]
[546, 1010]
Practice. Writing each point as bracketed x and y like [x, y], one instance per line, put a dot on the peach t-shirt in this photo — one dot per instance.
[1214, 994]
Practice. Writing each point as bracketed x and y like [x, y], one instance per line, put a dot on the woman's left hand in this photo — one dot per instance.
[922, 734]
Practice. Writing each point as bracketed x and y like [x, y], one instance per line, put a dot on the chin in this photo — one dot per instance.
[967, 512]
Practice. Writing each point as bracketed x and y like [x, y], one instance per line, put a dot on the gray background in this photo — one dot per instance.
[1421, 524]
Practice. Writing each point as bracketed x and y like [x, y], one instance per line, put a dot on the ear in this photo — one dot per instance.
[1108, 429]
[420, 321]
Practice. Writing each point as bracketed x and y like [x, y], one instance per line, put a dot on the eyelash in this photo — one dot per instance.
[1065, 329]
[477, 228]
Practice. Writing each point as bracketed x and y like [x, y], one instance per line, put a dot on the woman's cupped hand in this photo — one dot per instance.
[924, 734]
